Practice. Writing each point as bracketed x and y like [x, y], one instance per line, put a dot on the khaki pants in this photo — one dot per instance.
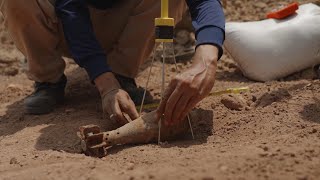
[126, 32]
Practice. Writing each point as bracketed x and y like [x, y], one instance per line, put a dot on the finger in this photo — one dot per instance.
[116, 111]
[181, 107]
[171, 104]
[191, 104]
[106, 107]
[165, 98]
[130, 109]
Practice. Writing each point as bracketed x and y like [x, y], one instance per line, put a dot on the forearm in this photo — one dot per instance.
[80, 37]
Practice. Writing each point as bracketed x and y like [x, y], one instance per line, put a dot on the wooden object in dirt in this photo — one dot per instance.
[140, 131]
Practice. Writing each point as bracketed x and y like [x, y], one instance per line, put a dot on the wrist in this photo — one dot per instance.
[207, 53]
[106, 82]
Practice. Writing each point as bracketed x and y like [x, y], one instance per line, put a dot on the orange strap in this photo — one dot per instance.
[285, 12]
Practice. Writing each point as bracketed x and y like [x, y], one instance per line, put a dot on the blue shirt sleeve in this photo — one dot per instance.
[208, 21]
[80, 37]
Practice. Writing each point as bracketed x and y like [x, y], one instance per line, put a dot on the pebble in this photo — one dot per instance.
[263, 154]
[14, 88]
[71, 110]
[265, 148]
[313, 131]
[276, 113]
[11, 71]
[233, 102]
[13, 161]
[130, 166]
[260, 4]
[151, 176]
[254, 98]
[223, 168]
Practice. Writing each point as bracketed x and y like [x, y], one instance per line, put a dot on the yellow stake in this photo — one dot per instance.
[164, 8]
[164, 25]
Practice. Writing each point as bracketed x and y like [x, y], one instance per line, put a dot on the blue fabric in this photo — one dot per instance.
[207, 19]
[80, 37]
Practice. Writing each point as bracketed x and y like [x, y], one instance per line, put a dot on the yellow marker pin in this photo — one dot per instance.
[164, 25]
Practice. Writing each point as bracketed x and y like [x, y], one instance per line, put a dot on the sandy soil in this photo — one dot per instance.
[273, 133]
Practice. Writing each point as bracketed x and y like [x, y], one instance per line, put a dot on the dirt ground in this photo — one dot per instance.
[269, 132]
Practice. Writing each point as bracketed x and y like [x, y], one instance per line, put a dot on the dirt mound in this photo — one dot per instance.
[270, 132]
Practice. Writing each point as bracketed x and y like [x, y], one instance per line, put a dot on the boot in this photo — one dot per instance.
[45, 97]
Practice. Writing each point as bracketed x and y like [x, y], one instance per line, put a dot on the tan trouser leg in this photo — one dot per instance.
[35, 34]
[126, 32]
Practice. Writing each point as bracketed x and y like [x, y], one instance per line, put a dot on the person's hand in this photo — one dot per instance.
[190, 87]
[115, 101]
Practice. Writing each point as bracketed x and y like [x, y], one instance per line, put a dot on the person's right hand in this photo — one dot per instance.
[115, 101]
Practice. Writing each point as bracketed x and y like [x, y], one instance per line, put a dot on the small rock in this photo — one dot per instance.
[233, 102]
[92, 166]
[213, 105]
[223, 168]
[71, 110]
[260, 4]
[130, 166]
[14, 88]
[303, 178]
[254, 98]
[313, 131]
[265, 148]
[151, 176]
[14, 161]
[11, 71]
[263, 154]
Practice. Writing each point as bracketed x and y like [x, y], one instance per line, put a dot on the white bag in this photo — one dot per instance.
[272, 49]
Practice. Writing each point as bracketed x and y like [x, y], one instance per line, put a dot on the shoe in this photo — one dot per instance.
[45, 97]
[135, 93]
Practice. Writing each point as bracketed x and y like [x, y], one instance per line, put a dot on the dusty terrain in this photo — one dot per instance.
[273, 133]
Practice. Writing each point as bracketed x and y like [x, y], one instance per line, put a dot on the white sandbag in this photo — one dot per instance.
[272, 49]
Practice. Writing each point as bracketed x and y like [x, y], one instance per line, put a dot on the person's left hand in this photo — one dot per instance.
[190, 87]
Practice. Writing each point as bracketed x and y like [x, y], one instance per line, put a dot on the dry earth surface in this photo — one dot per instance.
[269, 132]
